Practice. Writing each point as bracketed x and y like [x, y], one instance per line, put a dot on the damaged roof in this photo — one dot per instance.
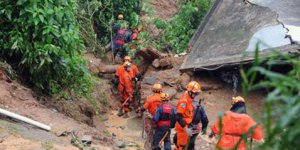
[232, 29]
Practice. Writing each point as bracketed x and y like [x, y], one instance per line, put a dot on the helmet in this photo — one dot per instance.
[237, 99]
[127, 58]
[164, 96]
[120, 16]
[194, 87]
[157, 88]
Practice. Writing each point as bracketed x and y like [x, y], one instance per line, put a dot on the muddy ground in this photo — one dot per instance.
[217, 96]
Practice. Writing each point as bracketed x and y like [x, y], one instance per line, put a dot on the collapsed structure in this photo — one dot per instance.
[233, 29]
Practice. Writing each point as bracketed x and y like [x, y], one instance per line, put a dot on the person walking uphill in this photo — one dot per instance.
[121, 36]
[235, 123]
[185, 113]
[165, 119]
[125, 89]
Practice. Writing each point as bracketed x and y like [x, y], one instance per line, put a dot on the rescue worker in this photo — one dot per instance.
[125, 90]
[135, 73]
[235, 123]
[199, 116]
[152, 102]
[165, 119]
[121, 36]
[116, 80]
[185, 113]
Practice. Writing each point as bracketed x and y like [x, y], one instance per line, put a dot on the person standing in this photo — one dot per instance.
[185, 113]
[234, 124]
[165, 119]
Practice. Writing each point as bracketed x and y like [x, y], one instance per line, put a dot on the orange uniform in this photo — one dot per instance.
[134, 71]
[233, 126]
[125, 88]
[153, 101]
[184, 107]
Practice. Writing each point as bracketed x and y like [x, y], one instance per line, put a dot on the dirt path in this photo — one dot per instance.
[126, 130]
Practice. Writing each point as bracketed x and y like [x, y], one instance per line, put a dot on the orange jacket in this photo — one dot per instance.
[153, 101]
[233, 126]
[185, 107]
[125, 83]
[134, 70]
[119, 70]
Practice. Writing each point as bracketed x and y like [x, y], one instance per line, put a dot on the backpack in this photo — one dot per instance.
[121, 37]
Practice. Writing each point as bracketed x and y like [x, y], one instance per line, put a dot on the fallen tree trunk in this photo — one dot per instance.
[108, 68]
[22, 118]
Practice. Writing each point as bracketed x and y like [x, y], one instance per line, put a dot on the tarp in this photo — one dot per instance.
[232, 30]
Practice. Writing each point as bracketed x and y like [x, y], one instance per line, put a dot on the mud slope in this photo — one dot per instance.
[18, 135]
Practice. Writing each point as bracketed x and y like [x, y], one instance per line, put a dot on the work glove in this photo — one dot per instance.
[148, 115]
[189, 131]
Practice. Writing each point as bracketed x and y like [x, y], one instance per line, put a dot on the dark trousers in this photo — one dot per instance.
[159, 134]
[191, 143]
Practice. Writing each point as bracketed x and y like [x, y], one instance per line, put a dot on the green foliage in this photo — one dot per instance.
[99, 15]
[43, 38]
[179, 30]
[281, 115]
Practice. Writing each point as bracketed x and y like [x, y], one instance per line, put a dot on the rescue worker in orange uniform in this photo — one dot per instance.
[185, 113]
[135, 73]
[152, 102]
[165, 119]
[235, 123]
[125, 90]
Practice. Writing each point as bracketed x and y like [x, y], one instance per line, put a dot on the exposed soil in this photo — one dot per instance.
[17, 135]
[164, 9]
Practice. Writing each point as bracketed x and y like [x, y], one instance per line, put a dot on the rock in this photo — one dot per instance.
[155, 63]
[87, 139]
[122, 127]
[150, 80]
[171, 91]
[185, 79]
[165, 62]
[120, 144]
[113, 134]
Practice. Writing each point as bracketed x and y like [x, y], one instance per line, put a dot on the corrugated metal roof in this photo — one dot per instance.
[232, 28]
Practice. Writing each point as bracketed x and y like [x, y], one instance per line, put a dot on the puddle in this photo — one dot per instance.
[126, 129]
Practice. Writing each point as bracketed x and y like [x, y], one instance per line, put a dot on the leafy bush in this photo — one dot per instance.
[43, 37]
[281, 115]
[179, 30]
[100, 14]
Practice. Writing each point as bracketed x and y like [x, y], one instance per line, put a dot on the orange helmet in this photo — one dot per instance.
[127, 58]
[194, 87]
[120, 16]
[157, 88]
[164, 96]
[237, 99]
